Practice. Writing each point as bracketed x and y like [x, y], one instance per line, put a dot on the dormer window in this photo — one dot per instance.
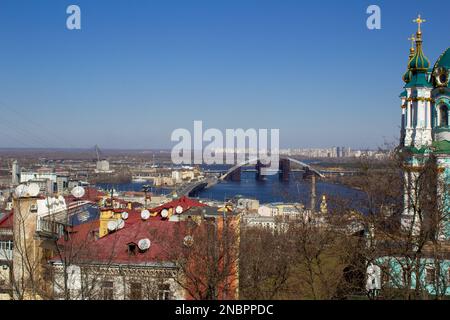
[94, 234]
[132, 248]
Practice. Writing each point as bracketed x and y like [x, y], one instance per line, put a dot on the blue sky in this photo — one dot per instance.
[140, 69]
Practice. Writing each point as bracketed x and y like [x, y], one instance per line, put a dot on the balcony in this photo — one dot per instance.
[49, 229]
[6, 232]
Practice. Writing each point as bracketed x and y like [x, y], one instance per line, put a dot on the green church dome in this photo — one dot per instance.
[419, 64]
[441, 74]
[407, 76]
[419, 61]
[444, 60]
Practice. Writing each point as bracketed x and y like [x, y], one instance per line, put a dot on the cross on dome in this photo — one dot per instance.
[412, 39]
[419, 21]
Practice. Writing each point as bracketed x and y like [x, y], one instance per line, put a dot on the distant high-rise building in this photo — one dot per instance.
[15, 172]
[348, 152]
[103, 167]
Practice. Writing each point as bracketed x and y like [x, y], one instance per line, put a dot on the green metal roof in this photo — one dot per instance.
[407, 76]
[415, 150]
[419, 79]
[444, 60]
[441, 146]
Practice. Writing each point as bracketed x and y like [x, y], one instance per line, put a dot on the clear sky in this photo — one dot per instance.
[137, 70]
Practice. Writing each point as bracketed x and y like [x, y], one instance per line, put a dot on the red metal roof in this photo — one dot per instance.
[6, 222]
[185, 202]
[167, 237]
[91, 194]
[113, 248]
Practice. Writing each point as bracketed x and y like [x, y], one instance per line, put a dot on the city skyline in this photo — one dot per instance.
[245, 150]
[154, 67]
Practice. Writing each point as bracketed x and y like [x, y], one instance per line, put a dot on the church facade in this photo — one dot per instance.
[425, 129]
[420, 261]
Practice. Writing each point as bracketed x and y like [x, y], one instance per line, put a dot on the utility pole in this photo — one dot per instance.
[145, 188]
[313, 192]
[112, 198]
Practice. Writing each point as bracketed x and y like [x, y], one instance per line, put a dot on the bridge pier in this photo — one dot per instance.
[285, 169]
[234, 173]
[259, 166]
[311, 175]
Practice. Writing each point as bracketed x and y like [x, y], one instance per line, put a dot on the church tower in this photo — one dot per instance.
[417, 137]
[404, 95]
[426, 135]
[418, 127]
[419, 262]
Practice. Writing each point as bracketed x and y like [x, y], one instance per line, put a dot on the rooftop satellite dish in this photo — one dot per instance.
[21, 190]
[188, 241]
[112, 225]
[145, 214]
[33, 190]
[144, 244]
[164, 213]
[78, 192]
[124, 215]
[120, 224]
[179, 209]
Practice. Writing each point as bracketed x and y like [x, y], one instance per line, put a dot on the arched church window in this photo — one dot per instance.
[443, 115]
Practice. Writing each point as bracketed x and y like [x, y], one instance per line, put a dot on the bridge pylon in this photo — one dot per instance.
[259, 166]
[285, 169]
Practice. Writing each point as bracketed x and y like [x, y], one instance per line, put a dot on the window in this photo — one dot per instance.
[6, 245]
[164, 292]
[430, 275]
[135, 291]
[385, 275]
[108, 290]
[443, 116]
[406, 276]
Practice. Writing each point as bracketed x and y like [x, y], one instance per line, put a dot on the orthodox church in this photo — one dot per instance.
[419, 261]
[425, 126]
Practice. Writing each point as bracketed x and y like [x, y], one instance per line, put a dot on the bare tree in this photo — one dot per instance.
[406, 214]
[265, 263]
[205, 251]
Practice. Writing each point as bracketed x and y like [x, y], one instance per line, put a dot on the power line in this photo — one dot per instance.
[39, 129]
